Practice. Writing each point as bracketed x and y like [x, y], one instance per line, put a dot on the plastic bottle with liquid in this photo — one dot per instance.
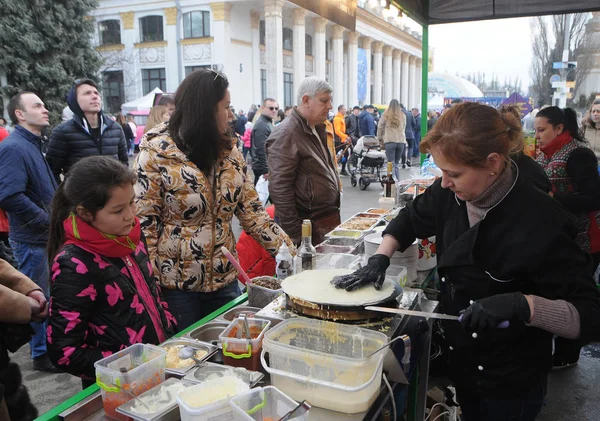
[284, 263]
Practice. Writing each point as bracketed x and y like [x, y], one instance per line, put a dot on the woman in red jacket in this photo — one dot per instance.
[255, 260]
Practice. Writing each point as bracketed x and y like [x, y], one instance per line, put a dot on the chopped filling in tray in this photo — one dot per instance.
[173, 360]
[359, 224]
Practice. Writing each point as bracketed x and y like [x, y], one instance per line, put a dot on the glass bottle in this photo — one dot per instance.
[306, 257]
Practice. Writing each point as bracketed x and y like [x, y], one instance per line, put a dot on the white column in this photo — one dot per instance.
[132, 74]
[396, 65]
[171, 58]
[319, 46]
[366, 43]
[346, 74]
[404, 79]
[299, 47]
[338, 65]
[412, 82]
[256, 88]
[377, 71]
[419, 84]
[352, 69]
[388, 89]
[274, 48]
[221, 32]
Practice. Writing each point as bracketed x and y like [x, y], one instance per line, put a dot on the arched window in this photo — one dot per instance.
[308, 45]
[151, 29]
[110, 32]
[196, 24]
[288, 39]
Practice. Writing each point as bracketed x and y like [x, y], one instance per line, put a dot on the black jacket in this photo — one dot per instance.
[410, 125]
[582, 168]
[97, 308]
[71, 140]
[260, 133]
[525, 243]
[532, 172]
[240, 124]
[352, 128]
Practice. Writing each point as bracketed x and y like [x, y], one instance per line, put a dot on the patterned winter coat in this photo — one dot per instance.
[185, 224]
[98, 306]
[572, 170]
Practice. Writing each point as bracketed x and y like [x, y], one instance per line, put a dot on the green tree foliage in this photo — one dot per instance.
[46, 45]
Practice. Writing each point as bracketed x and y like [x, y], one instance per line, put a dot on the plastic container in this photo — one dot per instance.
[243, 352]
[336, 261]
[166, 409]
[259, 296]
[324, 363]
[145, 368]
[217, 410]
[397, 274]
[264, 403]
[284, 263]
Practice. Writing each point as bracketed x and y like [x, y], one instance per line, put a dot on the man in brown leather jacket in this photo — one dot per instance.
[303, 178]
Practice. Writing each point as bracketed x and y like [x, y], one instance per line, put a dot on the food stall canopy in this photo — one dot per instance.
[430, 12]
[144, 103]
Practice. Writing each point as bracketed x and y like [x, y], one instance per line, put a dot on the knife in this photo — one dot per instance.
[412, 313]
[502, 325]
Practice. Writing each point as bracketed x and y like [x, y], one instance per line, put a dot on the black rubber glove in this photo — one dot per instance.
[491, 311]
[372, 273]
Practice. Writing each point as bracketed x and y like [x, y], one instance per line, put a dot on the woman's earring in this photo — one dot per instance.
[493, 173]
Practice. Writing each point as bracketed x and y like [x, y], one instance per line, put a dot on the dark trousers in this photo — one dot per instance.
[477, 408]
[409, 149]
[32, 262]
[257, 174]
[189, 307]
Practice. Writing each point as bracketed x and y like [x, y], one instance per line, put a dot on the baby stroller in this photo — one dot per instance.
[366, 162]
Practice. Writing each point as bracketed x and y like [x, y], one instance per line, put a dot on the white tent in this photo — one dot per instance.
[143, 103]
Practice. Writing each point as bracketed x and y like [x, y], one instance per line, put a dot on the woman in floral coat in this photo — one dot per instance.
[191, 182]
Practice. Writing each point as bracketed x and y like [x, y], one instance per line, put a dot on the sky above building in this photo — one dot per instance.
[501, 47]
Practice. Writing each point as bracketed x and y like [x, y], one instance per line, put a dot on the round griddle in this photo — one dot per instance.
[348, 313]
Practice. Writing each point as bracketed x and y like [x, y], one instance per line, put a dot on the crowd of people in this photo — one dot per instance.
[109, 254]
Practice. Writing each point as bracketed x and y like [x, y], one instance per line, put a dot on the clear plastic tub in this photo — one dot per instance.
[191, 400]
[134, 370]
[336, 261]
[243, 352]
[324, 363]
[264, 403]
[397, 274]
[259, 296]
[161, 399]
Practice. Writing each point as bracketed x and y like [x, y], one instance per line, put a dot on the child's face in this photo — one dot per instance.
[118, 216]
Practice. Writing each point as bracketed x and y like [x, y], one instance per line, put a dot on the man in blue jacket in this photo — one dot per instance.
[366, 121]
[26, 190]
[88, 133]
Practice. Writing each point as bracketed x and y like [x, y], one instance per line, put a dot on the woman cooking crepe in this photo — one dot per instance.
[506, 252]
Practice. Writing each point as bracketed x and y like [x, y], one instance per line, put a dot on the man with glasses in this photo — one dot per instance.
[260, 133]
[88, 133]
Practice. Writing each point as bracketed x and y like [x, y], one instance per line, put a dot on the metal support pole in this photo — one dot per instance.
[424, 83]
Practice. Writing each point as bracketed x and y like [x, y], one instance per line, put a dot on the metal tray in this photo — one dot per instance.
[180, 372]
[374, 223]
[208, 332]
[201, 373]
[168, 413]
[235, 312]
